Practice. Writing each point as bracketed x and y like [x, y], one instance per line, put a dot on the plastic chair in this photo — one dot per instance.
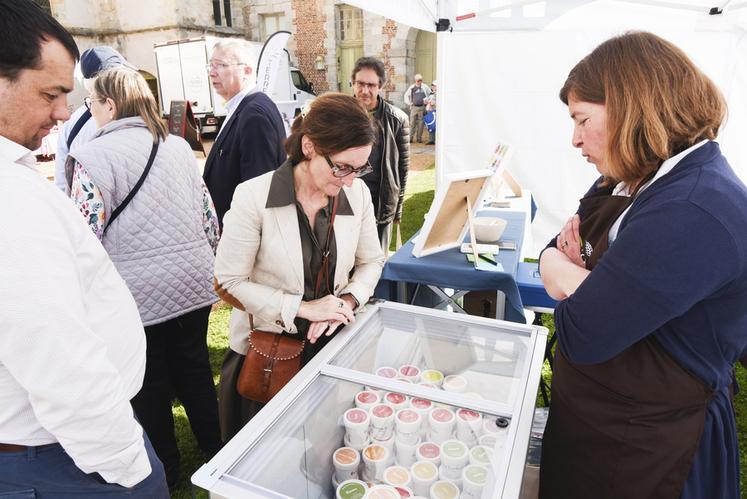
[535, 298]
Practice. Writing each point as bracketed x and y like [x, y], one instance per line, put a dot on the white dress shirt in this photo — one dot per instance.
[233, 103]
[72, 347]
[84, 135]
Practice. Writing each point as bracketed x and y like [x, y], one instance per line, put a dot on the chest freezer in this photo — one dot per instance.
[406, 402]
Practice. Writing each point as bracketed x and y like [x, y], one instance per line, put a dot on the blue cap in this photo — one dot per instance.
[100, 58]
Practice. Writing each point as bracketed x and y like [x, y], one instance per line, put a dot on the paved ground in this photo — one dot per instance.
[421, 156]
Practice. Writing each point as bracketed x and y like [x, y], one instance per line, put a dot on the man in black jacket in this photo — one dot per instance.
[250, 142]
[390, 156]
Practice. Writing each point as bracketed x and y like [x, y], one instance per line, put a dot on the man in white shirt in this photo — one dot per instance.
[80, 128]
[72, 347]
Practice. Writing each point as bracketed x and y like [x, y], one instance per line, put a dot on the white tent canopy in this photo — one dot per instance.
[500, 72]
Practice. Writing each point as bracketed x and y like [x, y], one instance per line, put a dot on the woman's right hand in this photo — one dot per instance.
[569, 241]
[327, 308]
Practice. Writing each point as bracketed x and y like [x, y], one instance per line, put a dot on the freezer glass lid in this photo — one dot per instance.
[339, 431]
[456, 353]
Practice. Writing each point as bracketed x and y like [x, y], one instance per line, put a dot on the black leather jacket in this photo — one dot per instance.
[394, 146]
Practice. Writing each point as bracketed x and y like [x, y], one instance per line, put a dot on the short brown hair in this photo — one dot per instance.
[334, 122]
[657, 101]
[132, 96]
[370, 63]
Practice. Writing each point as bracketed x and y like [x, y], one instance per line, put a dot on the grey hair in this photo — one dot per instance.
[239, 48]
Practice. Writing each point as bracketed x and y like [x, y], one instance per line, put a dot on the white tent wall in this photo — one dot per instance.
[502, 86]
[501, 83]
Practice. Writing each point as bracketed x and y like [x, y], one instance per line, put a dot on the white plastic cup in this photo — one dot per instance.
[497, 427]
[375, 461]
[480, 455]
[346, 461]
[474, 478]
[454, 457]
[424, 474]
[407, 423]
[488, 440]
[351, 489]
[444, 489]
[366, 399]
[405, 452]
[424, 407]
[389, 444]
[455, 383]
[356, 422]
[442, 422]
[429, 452]
[386, 372]
[410, 372]
[382, 491]
[469, 426]
[397, 476]
[382, 422]
[396, 400]
[359, 448]
[432, 376]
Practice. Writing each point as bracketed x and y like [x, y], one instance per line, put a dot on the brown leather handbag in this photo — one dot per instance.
[271, 362]
[273, 359]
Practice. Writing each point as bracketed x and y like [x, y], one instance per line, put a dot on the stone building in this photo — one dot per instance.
[328, 35]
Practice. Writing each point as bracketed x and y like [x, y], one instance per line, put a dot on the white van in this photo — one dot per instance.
[182, 75]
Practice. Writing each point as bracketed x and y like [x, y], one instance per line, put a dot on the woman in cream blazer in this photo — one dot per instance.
[276, 233]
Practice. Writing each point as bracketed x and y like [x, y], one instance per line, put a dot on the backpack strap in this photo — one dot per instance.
[78, 125]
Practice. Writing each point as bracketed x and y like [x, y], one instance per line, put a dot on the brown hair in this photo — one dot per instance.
[132, 96]
[657, 101]
[370, 63]
[334, 122]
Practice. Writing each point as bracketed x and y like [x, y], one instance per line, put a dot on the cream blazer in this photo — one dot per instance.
[259, 259]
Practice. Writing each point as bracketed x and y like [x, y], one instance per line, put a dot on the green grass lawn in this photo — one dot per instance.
[418, 199]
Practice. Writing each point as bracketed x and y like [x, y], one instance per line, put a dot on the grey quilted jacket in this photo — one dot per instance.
[158, 242]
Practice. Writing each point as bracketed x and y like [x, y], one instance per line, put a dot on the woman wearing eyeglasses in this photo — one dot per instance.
[161, 242]
[271, 258]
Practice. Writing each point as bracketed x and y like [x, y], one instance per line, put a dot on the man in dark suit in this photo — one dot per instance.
[250, 142]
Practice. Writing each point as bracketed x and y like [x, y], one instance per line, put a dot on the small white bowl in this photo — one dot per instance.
[489, 229]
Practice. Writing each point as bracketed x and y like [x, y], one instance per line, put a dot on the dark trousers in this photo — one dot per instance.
[385, 237]
[48, 471]
[177, 364]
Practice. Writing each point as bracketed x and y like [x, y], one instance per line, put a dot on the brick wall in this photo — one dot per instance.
[389, 30]
[310, 34]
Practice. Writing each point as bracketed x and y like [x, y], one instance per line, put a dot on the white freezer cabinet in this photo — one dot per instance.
[422, 402]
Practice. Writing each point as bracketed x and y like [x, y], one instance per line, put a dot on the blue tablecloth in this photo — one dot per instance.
[450, 269]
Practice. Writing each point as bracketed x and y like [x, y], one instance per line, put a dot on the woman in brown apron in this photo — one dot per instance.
[651, 272]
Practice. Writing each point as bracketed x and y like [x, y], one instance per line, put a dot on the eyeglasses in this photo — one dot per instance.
[219, 66]
[363, 85]
[87, 101]
[345, 170]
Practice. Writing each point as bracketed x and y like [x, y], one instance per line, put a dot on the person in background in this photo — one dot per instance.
[430, 115]
[72, 348]
[652, 274]
[390, 154]
[80, 128]
[250, 142]
[162, 243]
[277, 234]
[415, 97]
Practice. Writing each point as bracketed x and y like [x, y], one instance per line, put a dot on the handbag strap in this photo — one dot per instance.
[324, 269]
[136, 188]
[78, 126]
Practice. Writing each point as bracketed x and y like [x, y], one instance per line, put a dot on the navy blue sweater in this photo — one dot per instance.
[677, 270]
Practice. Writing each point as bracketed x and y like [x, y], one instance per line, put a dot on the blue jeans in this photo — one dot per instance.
[47, 471]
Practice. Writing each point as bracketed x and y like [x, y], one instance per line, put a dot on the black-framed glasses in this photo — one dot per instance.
[345, 170]
[87, 101]
[363, 85]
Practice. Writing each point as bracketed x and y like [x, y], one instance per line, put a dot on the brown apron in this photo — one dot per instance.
[628, 427]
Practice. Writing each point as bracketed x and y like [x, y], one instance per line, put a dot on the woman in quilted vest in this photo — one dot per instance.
[141, 192]
[300, 251]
